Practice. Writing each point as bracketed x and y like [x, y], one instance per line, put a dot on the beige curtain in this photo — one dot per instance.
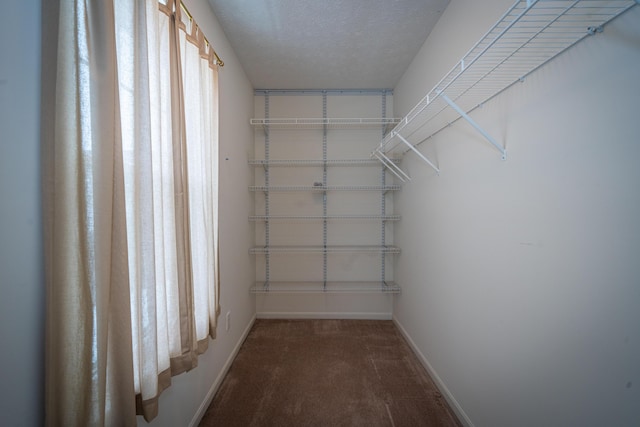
[130, 206]
[89, 371]
[200, 76]
[152, 229]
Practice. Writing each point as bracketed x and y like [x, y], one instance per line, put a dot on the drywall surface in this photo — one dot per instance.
[307, 144]
[521, 280]
[181, 403]
[21, 269]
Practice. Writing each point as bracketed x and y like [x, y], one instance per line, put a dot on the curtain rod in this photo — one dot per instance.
[218, 60]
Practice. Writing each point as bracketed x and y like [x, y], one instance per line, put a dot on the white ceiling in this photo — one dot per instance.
[326, 44]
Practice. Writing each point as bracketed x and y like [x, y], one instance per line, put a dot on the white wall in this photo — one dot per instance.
[189, 394]
[521, 280]
[21, 270]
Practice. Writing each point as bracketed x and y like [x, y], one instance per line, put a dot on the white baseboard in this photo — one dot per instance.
[216, 384]
[462, 416]
[324, 315]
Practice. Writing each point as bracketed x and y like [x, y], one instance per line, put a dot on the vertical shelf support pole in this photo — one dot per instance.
[324, 194]
[383, 199]
[475, 125]
[267, 256]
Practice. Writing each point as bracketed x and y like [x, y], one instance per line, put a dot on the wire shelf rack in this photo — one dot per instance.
[529, 34]
[324, 249]
[258, 218]
[325, 123]
[325, 287]
[321, 188]
[314, 162]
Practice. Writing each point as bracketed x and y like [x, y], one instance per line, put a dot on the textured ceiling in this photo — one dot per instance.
[326, 44]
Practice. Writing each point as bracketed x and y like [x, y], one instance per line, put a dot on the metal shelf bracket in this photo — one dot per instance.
[415, 150]
[391, 167]
[475, 125]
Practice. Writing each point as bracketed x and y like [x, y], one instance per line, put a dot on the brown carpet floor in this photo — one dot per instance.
[327, 373]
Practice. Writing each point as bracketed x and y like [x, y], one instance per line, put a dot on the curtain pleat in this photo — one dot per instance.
[130, 171]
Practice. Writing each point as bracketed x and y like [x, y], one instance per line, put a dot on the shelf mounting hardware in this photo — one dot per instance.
[415, 150]
[391, 167]
[593, 30]
[475, 125]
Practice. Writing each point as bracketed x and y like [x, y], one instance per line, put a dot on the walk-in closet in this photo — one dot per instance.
[426, 211]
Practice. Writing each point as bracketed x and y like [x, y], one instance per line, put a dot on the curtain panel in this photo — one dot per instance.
[130, 171]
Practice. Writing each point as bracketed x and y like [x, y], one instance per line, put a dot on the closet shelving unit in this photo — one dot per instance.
[324, 217]
[325, 188]
[323, 124]
[326, 249]
[315, 162]
[311, 287]
[529, 34]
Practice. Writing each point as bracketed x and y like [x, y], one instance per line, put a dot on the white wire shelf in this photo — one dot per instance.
[259, 218]
[528, 35]
[324, 249]
[322, 123]
[321, 188]
[325, 287]
[315, 162]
